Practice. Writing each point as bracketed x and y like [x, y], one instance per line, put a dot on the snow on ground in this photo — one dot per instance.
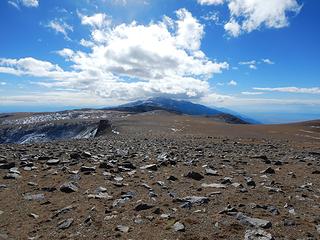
[49, 117]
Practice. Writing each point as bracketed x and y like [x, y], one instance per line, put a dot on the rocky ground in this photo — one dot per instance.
[150, 183]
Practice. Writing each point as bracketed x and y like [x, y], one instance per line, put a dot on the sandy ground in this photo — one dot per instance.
[117, 196]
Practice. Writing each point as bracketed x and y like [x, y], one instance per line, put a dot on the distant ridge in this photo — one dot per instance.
[179, 107]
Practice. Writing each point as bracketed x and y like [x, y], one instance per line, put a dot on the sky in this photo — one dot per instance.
[256, 57]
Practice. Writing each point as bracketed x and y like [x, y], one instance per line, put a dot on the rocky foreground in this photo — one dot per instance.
[160, 186]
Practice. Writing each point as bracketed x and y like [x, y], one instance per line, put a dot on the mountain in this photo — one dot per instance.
[180, 107]
[168, 104]
[239, 115]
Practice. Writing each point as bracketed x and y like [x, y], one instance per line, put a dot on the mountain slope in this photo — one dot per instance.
[161, 103]
[180, 107]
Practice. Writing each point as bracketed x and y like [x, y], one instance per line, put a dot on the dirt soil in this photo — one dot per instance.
[166, 177]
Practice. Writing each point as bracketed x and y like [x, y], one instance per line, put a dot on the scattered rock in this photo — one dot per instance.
[143, 206]
[12, 176]
[68, 187]
[210, 172]
[53, 162]
[7, 165]
[87, 169]
[194, 175]
[122, 228]
[254, 222]
[189, 201]
[178, 227]
[64, 224]
[34, 197]
[257, 234]
[152, 167]
[269, 170]
[213, 185]
[35, 216]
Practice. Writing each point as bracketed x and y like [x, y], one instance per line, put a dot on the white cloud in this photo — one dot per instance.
[210, 2]
[214, 98]
[232, 28]
[30, 3]
[267, 61]
[254, 67]
[125, 2]
[3, 83]
[57, 98]
[66, 53]
[14, 4]
[59, 26]
[314, 90]
[189, 31]
[232, 83]
[98, 20]
[251, 64]
[249, 15]
[26, 3]
[252, 93]
[254, 14]
[130, 61]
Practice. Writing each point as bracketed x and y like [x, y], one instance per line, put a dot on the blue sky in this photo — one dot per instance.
[258, 57]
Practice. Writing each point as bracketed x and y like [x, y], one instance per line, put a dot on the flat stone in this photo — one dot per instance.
[63, 210]
[35, 216]
[257, 234]
[65, 223]
[250, 182]
[210, 172]
[122, 228]
[53, 162]
[255, 222]
[12, 176]
[68, 187]
[229, 210]
[269, 170]
[152, 167]
[7, 165]
[34, 197]
[87, 169]
[172, 178]
[192, 200]
[194, 175]
[143, 206]
[178, 227]
[100, 195]
[213, 185]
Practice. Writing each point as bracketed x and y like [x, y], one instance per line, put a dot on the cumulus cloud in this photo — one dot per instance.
[251, 64]
[213, 17]
[314, 90]
[98, 20]
[30, 3]
[232, 83]
[56, 97]
[267, 61]
[59, 26]
[232, 28]
[130, 61]
[210, 2]
[249, 15]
